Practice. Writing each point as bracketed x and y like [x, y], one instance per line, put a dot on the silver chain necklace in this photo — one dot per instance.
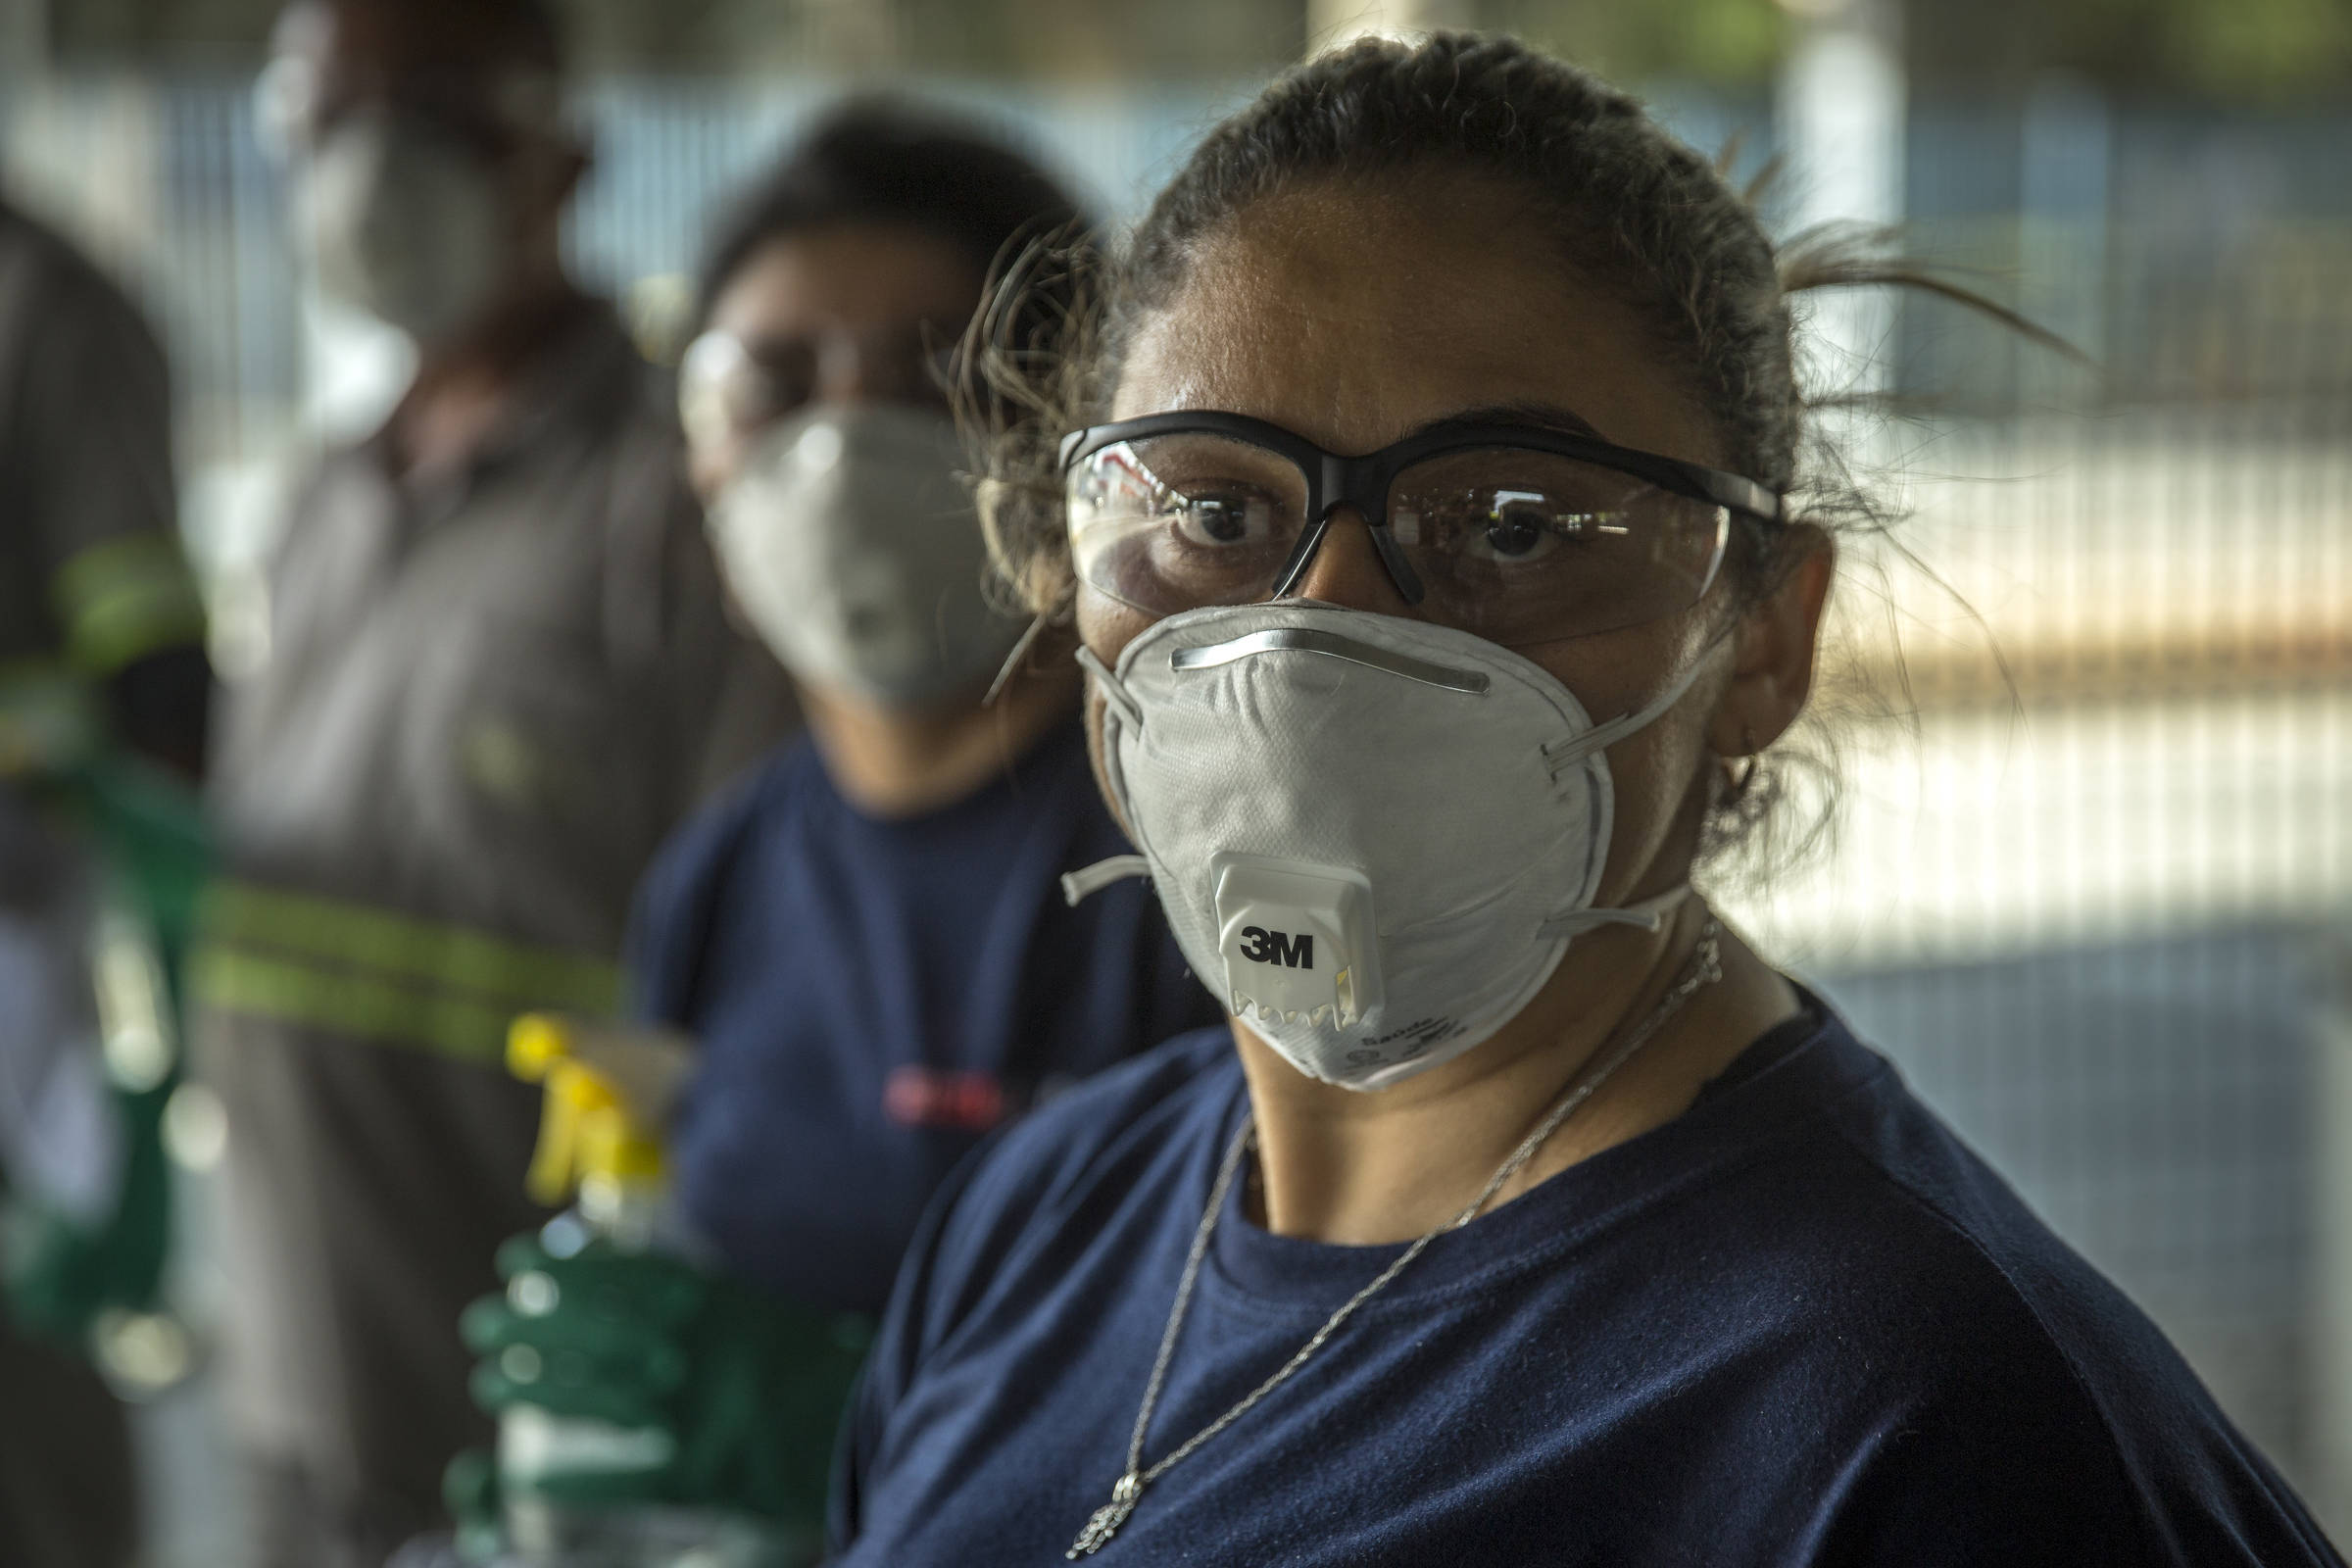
[1703, 968]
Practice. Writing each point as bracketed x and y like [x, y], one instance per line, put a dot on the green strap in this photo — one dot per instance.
[382, 976]
[438, 954]
[124, 599]
[359, 1006]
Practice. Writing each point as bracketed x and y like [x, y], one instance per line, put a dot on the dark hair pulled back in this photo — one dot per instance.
[879, 159]
[1634, 209]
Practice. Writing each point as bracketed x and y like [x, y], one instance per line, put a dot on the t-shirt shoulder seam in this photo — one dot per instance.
[1911, 1194]
[1064, 1173]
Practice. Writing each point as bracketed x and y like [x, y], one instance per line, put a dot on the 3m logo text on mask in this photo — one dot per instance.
[1297, 938]
[1261, 945]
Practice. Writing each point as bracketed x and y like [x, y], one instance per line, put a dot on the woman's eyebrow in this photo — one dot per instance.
[1544, 416]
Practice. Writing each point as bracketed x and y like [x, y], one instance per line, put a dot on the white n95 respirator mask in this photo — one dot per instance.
[1374, 838]
[851, 542]
[403, 225]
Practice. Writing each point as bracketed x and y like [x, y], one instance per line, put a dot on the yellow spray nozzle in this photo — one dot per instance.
[587, 1130]
[535, 1042]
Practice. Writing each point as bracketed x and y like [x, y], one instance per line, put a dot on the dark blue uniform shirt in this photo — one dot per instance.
[871, 997]
[1800, 1324]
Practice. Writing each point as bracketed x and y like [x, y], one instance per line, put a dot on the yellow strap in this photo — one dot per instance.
[515, 975]
[362, 1006]
[124, 599]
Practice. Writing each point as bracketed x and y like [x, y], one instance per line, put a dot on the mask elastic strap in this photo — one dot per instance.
[1601, 737]
[1649, 915]
[1089, 880]
[1112, 691]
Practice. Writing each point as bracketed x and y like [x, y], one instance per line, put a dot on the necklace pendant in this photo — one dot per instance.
[1107, 1518]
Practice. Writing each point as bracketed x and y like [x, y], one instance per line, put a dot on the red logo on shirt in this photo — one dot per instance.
[926, 1097]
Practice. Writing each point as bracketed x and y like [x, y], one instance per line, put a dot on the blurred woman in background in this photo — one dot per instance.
[1431, 507]
[499, 675]
[866, 938]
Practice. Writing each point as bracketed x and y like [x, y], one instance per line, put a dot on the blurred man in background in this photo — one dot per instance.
[103, 694]
[497, 663]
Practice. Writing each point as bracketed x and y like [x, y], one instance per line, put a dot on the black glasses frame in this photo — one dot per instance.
[1334, 481]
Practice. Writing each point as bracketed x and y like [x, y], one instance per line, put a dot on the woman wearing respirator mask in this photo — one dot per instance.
[865, 937]
[818, 422]
[1425, 493]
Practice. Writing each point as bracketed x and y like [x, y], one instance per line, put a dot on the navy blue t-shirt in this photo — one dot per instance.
[870, 997]
[1800, 1324]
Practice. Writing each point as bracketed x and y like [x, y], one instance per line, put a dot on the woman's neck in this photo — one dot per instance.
[894, 764]
[1362, 1168]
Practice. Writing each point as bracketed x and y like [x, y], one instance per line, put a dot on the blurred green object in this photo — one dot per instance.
[149, 827]
[63, 1275]
[470, 1491]
[147, 830]
[749, 1389]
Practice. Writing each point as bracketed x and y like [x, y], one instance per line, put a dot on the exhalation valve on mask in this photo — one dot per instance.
[1298, 938]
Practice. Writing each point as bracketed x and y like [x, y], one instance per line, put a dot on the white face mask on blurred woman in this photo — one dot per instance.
[403, 223]
[850, 540]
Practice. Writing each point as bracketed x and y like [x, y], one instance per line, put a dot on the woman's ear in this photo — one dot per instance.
[1773, 650]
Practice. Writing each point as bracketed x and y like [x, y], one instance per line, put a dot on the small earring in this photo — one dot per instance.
[1739, 780]
[1742, 777]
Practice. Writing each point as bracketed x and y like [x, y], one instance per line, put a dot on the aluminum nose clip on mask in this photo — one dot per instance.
[1374, 838]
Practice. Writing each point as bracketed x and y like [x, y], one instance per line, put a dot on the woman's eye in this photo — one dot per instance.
[1516, 531]
[1219, 520]
[1520, 526]
[1514, 527]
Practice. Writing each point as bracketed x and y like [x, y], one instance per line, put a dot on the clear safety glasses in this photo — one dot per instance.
[1517, 533]
[728, 385]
